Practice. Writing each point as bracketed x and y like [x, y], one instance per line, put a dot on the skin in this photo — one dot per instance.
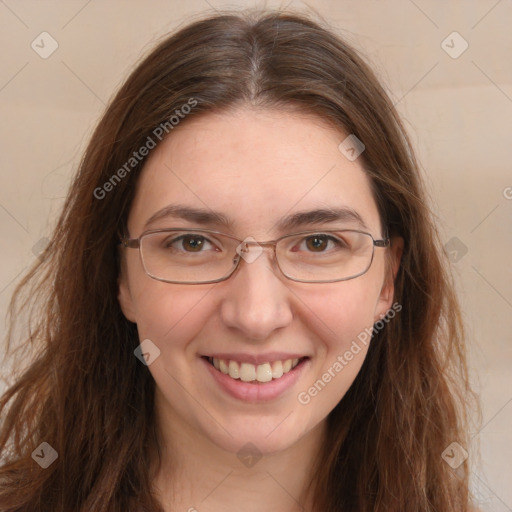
[255, 166]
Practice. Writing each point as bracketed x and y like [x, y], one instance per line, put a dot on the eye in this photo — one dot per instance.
[188, 243]
[322, 242]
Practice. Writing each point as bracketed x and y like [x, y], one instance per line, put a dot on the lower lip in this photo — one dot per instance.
[257, 391]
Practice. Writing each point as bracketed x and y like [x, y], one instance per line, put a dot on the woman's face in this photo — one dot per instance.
[255, 168]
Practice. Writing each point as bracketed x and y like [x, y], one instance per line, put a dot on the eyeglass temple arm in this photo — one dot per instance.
[382, 243]
[132, 243]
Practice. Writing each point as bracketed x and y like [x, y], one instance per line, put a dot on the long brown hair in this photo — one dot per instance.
[84, 392]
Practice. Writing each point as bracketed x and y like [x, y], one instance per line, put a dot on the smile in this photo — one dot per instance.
[252, 382]
[248, 372]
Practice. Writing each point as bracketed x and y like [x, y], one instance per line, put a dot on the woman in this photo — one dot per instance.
[246, 300]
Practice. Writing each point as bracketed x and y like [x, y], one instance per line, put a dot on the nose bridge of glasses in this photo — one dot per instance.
[255, 243]
[251, 250]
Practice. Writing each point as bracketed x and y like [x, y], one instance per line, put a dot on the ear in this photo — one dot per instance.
[388, 288]
[123, 293]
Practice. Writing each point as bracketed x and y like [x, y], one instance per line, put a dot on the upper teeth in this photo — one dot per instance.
[248, 372]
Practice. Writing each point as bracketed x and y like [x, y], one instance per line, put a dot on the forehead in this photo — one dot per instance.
[254, 166]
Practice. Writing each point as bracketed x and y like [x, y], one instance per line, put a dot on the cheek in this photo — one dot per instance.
[170, 315]
[343, 310]
[341, 317]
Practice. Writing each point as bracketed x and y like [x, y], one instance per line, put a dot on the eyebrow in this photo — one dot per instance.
[203, 216]
[195, 215]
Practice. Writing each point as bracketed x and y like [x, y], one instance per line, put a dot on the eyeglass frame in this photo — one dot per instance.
[135, 243]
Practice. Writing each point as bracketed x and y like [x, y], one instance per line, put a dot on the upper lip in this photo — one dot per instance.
[255, 359]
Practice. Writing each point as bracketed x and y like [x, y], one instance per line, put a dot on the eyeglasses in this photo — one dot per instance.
[198, 256]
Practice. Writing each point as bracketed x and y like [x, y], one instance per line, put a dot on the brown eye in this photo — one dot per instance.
[193, 243]
[316, 243]
[321, 243]
[189, 243]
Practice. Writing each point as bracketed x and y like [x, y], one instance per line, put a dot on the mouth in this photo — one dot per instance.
[255, 373]
[255, 383]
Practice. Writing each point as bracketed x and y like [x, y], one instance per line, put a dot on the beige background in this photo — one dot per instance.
[457, 110]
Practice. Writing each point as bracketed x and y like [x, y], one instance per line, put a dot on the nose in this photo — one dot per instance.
[256, 299]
